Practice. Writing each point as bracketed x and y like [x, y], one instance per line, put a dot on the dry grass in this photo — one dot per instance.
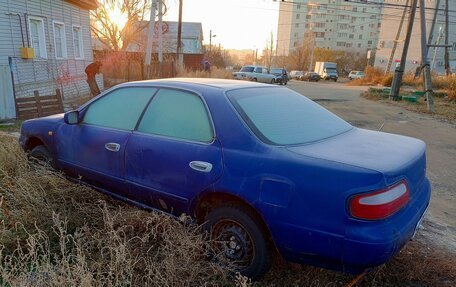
[376, 76]
[57, 233]
[445, 107]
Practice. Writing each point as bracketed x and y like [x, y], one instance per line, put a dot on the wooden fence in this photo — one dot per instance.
[39, 106]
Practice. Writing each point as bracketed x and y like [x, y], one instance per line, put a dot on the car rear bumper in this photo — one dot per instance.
[368, 245]
[364, 245]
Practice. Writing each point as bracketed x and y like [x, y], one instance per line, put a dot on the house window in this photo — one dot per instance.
[77, 42]
[37, 38]
[60, 40]
[298, 16]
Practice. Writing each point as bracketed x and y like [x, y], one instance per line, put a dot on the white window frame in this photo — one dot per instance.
[81, 44]
[63, 40]
[41, 37]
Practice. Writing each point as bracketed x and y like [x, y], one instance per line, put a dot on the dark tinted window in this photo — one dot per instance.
[247, 69]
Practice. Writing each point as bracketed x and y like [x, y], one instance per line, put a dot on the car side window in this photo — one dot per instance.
[120, 109]
[258, 70]
[177, 114]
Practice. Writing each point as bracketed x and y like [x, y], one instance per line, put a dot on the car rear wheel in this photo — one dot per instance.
[272, 81]
[41, 155]
[238, 240]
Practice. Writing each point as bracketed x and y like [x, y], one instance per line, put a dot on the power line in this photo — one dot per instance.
[368, 3]
[399, 5]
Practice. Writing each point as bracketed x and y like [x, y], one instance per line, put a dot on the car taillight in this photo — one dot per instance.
[380, 204]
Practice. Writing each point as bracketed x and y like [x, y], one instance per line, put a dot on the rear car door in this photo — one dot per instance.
[95, 148]
[174, 154]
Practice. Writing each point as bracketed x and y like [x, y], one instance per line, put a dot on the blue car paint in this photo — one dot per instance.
[301, 192]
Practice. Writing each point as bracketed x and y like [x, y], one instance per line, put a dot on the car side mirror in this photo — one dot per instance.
[71, 118]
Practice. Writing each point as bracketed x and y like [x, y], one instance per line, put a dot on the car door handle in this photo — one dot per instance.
[115, 147]
[201, 166]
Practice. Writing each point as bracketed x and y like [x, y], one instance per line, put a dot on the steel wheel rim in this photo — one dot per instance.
[233, 244]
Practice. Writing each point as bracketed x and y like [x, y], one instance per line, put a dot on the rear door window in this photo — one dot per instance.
[177, 114]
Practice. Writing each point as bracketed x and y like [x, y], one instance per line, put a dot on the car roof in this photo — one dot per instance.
[198, 84]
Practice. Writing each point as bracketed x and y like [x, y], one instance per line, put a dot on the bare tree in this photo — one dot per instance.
[129, 15]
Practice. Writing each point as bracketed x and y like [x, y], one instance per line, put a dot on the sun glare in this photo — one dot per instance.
[117, 17]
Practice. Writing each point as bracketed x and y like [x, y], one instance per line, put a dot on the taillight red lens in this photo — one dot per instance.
[380, 204]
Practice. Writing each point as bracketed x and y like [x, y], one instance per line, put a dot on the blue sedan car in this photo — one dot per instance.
[263, 168]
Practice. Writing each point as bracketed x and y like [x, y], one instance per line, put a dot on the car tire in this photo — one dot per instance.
[273, 82]
[254, 79]
[238, 240]
[285, 83]
[41, 155]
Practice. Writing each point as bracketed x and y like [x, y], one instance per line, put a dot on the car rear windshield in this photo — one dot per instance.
[280, 116]
[276, 71]
[247, 69]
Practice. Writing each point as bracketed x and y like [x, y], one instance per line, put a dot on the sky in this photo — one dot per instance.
[236, 24]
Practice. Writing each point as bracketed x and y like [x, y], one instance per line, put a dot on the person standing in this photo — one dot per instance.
[91, 70]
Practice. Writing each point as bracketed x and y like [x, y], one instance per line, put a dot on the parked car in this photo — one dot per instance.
[356, 75]
[311, 76]
[296, 74]
[281, 75]
[256, 74]
[261, 166]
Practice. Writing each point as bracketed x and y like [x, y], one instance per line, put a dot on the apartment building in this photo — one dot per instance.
[329, 24]
[391, 19]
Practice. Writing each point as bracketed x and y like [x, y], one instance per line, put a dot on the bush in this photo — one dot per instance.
[215, 72]
[374, 76]
[450, 86]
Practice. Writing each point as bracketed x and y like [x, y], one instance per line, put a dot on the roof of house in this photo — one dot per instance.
[84, 4]
[189, 29]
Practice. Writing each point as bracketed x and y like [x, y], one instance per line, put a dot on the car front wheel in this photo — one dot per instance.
[238, 240]
[41, 155]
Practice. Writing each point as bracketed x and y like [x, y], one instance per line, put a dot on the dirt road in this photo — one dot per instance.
[440, 137]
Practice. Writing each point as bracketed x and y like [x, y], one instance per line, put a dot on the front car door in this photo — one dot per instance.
[174, 154]
[94, 149]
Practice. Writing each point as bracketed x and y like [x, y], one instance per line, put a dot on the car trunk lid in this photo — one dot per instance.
[395, 156]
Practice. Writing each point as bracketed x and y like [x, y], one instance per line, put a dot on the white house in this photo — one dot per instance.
[44, 45]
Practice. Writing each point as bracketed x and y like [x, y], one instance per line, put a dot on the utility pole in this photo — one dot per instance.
[396, 40]
[180, 58]
[160, 37]
[424, 61]
[434, 19]
[447, 57]
[312, 53]
[436, 48]
[150, 37]
[210, 41]
[399, 72]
